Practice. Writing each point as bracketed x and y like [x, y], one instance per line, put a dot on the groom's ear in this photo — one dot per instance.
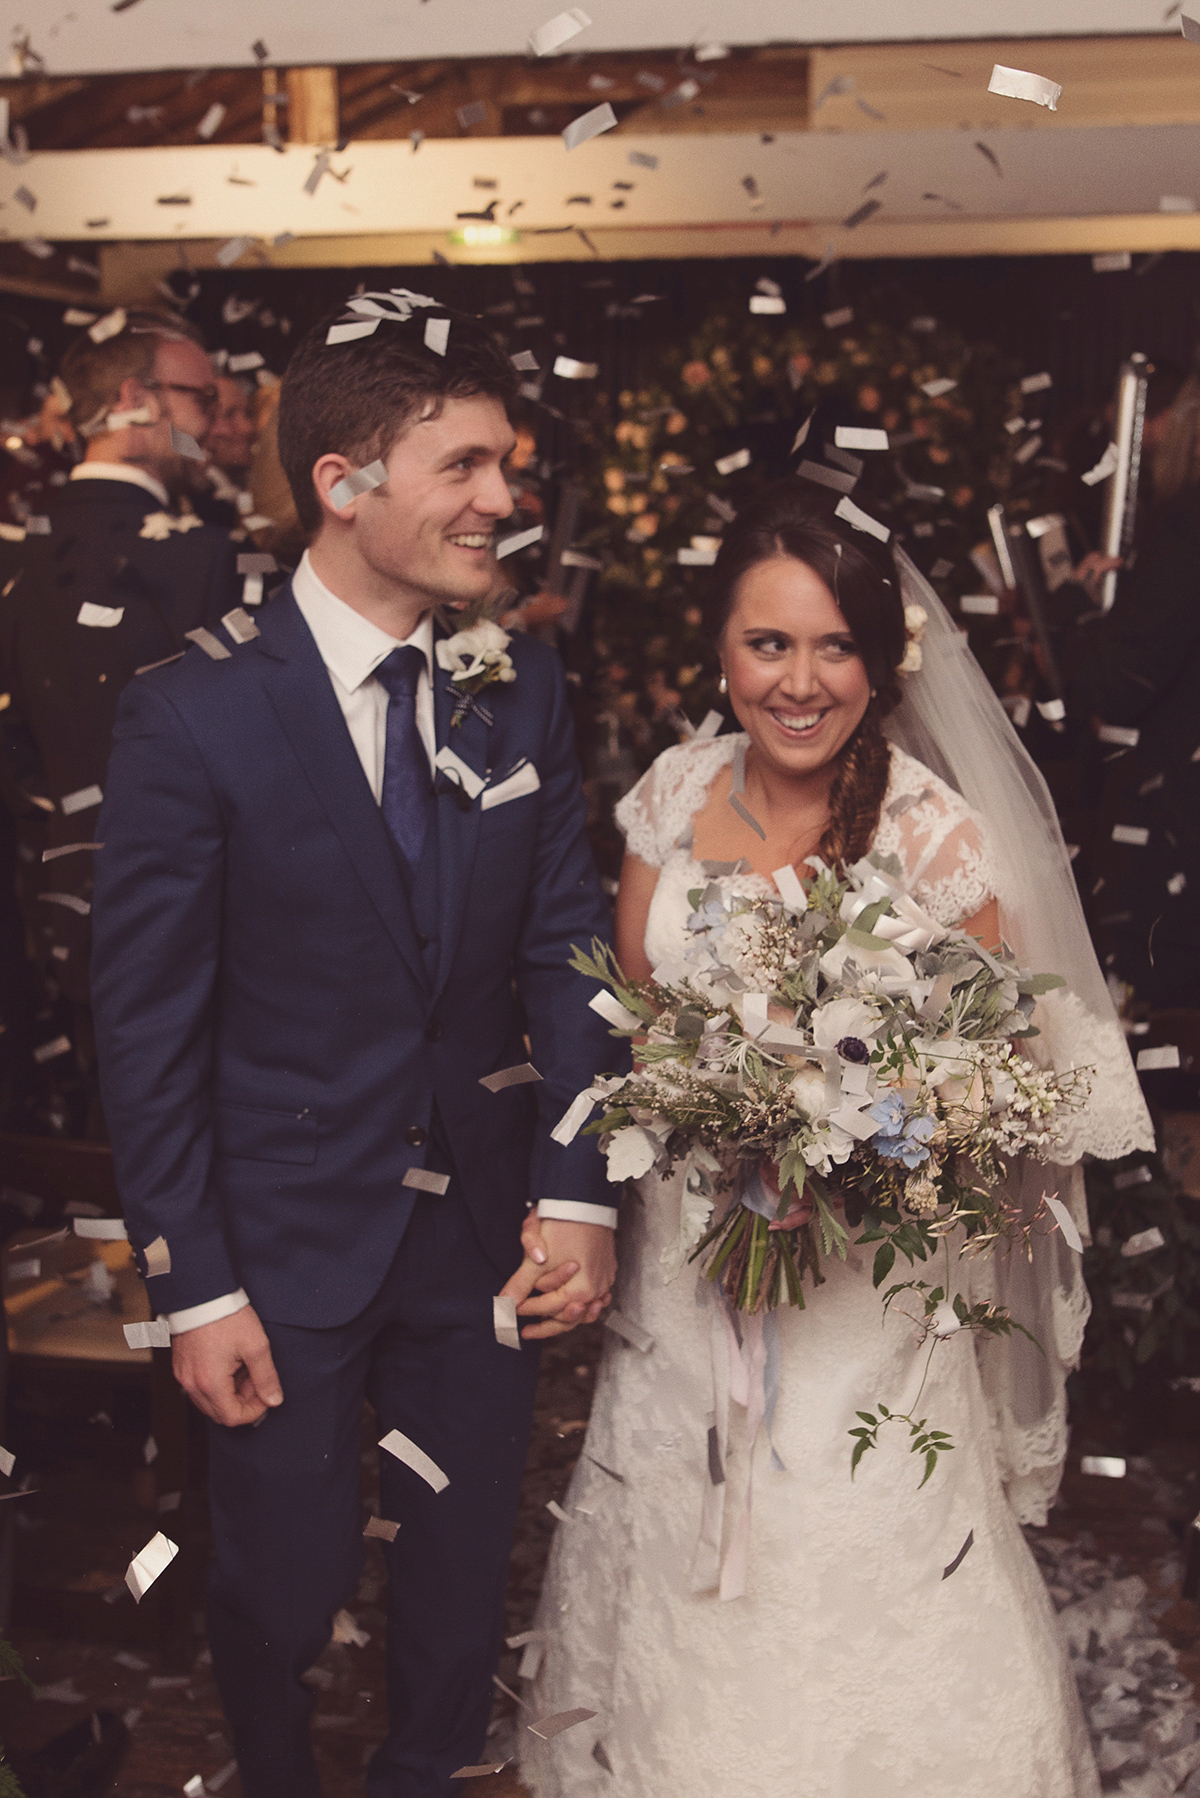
[329, 472]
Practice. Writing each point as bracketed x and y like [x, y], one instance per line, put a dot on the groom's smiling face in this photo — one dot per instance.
[432, 529]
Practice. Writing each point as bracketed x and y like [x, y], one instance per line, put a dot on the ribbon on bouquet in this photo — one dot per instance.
[745, 1356]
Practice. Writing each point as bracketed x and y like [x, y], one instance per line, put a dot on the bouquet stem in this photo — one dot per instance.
[758, 1268]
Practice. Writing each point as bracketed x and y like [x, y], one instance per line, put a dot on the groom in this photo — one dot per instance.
[335, 893]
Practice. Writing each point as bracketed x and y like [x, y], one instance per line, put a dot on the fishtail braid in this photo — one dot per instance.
[857, 793]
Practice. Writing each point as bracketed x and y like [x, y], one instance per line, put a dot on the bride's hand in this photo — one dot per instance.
[572, 1267]
[800, 1212]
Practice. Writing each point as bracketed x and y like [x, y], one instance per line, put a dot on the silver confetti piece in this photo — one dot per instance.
[633, 1333]
[81, 801]
[158, 1257]
[588, 125]
[508, 546]
[359, 481]
[1019, 84]
[381, 1529]
[558, 31]
[504, 1321]
[398, 1444]
[523, 1074]
[240, 625]
[423, 1179]
[156, 1334]
[212, 646]
[860, 520]
[548, 1727]
[961, 1556]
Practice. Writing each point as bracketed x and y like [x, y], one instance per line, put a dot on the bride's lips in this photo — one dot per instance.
[798, 726]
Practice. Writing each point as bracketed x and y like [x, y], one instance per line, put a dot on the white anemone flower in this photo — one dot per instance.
[841, 1018]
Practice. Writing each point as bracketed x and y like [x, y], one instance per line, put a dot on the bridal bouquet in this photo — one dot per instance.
[831, 1049]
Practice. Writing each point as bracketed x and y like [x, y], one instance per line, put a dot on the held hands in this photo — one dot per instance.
[226, 1369]
[572, 1268]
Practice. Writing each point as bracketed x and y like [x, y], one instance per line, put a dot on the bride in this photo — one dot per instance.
[744, 1619]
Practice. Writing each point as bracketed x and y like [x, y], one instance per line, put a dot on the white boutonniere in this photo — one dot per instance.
[474, 659]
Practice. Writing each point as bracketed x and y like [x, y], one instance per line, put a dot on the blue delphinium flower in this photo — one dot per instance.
[907, 1143]
[889, 1114]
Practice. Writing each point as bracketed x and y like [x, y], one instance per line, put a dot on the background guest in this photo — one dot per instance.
[113, 583]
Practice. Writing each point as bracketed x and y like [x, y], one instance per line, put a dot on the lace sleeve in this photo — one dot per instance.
[941, 843]
[955, 880]
[656, 813]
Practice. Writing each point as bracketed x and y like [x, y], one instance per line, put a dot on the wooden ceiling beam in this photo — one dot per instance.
[312, 110]
[858, 89]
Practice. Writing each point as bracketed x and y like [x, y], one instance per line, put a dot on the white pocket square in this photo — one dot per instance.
[525, 780]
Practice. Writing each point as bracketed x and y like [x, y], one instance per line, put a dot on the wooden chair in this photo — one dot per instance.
[86, 1345]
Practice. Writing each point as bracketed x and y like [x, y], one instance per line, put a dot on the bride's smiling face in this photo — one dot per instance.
[797, 683]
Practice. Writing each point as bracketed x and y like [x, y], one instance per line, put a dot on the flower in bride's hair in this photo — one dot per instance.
[915, 620]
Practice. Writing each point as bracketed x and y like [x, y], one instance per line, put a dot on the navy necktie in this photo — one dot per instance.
[407, 783]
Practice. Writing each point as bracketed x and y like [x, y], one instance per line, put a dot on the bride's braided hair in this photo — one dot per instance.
[788, 519]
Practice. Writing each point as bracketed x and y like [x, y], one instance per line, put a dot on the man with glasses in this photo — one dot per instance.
[112, 579]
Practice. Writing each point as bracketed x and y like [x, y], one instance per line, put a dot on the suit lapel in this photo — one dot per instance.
[299, 689]
[458, 829]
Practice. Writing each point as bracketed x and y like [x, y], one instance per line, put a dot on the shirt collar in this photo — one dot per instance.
[351, 647]
[121, 471]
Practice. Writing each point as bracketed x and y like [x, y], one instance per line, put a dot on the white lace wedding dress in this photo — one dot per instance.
[850, 1667]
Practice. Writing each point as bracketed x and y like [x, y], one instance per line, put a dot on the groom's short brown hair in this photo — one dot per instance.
[356, 399]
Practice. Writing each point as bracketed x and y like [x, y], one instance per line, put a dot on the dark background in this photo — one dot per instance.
[1050, 312]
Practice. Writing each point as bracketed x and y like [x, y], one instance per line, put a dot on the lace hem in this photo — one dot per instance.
[1114, 1120]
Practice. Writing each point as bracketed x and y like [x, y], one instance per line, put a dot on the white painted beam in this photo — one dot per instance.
[810, 177]
[90, 38]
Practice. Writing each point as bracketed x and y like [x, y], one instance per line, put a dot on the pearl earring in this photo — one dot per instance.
[722, 685]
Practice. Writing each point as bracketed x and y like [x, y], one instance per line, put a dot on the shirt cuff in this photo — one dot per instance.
[195, 1316]
[570, 1211]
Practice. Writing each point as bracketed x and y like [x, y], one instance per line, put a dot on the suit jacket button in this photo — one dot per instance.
[433, 1031]
[415, 1137]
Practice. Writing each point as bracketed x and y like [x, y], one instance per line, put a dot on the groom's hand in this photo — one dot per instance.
[226, 1369]
[571, 1266]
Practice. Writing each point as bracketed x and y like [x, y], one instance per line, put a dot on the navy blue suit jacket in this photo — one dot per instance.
[267, 1029]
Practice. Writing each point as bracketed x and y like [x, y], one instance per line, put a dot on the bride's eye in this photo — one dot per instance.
[840, 647]
[768, 644]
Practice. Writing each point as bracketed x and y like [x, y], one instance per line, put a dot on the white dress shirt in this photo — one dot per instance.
[352, 648]
[121, 471]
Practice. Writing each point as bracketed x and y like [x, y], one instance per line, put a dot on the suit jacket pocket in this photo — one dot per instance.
[242, 1130]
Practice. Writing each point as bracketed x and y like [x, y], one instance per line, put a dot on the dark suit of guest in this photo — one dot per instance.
[141, 593]
[1138, 667]
[291, 1019]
